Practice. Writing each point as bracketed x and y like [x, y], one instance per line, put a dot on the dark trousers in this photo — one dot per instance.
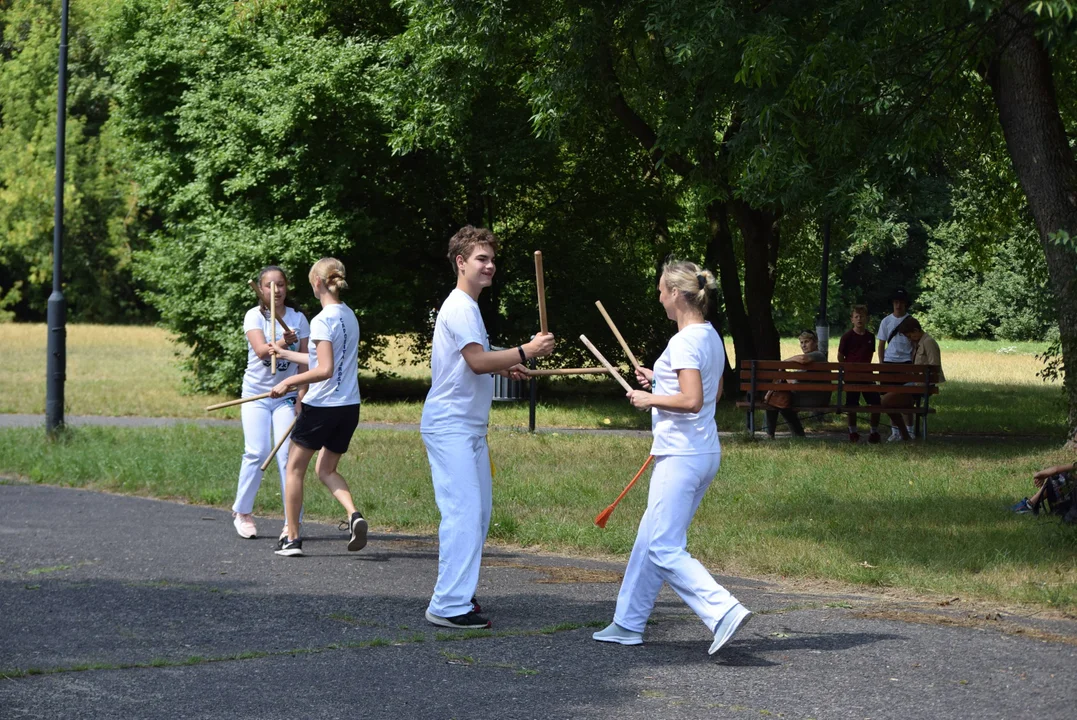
[799, 399]
[792, 419]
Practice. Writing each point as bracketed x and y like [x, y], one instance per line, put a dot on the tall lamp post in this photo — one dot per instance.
[822, 326]
[56, 365]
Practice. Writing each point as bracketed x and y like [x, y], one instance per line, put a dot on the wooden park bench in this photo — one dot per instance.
[761, 376]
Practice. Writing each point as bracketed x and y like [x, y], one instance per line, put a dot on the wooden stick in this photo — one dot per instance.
[258, 294]
[540, 283]
[272, 326]
[604, 516]
[606, 363]
[568, 371]
[617, 334]
[230, 403]
[279, 443]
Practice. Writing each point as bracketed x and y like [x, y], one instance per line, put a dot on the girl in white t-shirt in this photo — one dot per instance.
[264, 421]
[686, 383]
[330, 408]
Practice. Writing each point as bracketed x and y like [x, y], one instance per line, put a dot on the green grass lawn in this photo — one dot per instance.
[120, 370]
[931, 518]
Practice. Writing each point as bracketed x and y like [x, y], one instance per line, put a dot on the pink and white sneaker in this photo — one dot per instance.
[244, 523]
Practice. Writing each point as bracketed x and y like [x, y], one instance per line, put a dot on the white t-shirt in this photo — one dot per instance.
[257, 379]
[697, 347]
[899, 349]
[459, 400]
[337, 324]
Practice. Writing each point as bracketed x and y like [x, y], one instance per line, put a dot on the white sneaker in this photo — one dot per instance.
[614, 633]
[244, 523]
[737, 617]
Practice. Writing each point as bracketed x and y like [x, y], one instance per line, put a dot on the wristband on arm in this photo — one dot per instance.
[523, 355]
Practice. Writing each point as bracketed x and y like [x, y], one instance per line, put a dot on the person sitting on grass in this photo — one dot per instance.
[1051, 483]
[926, 352]
[858, 346]
[809, 346]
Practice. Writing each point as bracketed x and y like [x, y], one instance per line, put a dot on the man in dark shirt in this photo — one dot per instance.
[858, 345]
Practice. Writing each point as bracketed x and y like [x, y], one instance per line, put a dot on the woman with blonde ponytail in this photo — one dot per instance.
[684, 388]
[329, 410]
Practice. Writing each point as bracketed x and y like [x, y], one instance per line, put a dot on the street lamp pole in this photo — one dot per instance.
[822, 326]
[56, 364]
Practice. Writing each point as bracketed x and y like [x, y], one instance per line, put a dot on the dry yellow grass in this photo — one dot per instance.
[125, 370]
[111, 370]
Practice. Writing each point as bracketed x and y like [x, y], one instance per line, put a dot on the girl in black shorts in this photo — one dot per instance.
[330, 408]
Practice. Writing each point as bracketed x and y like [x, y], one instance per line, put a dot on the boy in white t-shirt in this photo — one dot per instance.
[455, 416]
[894, 347]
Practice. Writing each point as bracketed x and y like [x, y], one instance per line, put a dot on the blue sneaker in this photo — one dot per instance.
[731, 622]
[614, 633]
[1023, 507]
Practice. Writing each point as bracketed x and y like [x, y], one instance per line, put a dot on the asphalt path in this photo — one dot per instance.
[118, 606]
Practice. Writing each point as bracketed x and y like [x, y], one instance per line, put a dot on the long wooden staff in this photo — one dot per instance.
[567, 371]
[230, 403]
[606, 363]
[272, 326]
[540, 283]
[258, 294]
[280, 442]
[617, 334]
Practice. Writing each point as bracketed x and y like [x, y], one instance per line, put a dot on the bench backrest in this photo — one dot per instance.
[765, 375]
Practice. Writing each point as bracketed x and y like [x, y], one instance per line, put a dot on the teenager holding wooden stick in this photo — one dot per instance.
[266, 419]
[686, 383]
[455, 417]
[330, 408]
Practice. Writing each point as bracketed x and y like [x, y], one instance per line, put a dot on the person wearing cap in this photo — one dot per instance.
[894, 347]
[925, 352]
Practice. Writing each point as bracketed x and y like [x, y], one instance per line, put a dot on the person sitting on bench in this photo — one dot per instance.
[926, 352]
[809, 346]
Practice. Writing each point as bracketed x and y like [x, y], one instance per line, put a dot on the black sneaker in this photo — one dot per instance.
[290, 548]
[466, 621]
[475, 607]
[358, 528]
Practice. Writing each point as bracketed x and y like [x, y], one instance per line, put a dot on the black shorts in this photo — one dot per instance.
[852, 399]
[326, 427]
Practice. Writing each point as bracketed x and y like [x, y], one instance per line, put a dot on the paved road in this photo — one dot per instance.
[132, 607]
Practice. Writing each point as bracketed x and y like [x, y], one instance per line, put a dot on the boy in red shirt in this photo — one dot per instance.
[858, 345]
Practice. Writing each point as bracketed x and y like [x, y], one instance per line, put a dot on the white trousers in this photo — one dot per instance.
[463, 489]
[659, 554]
[264, 421]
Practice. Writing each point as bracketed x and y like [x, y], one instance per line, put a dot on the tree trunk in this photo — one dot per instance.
[1024, 92]
[762, 240]
[720, 255]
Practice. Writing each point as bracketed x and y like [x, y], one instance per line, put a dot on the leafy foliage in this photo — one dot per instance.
[100, 228]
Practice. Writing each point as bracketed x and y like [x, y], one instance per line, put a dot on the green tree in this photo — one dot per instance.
[100, 230]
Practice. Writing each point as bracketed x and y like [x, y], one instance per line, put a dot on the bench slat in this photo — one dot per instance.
[843, 409]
